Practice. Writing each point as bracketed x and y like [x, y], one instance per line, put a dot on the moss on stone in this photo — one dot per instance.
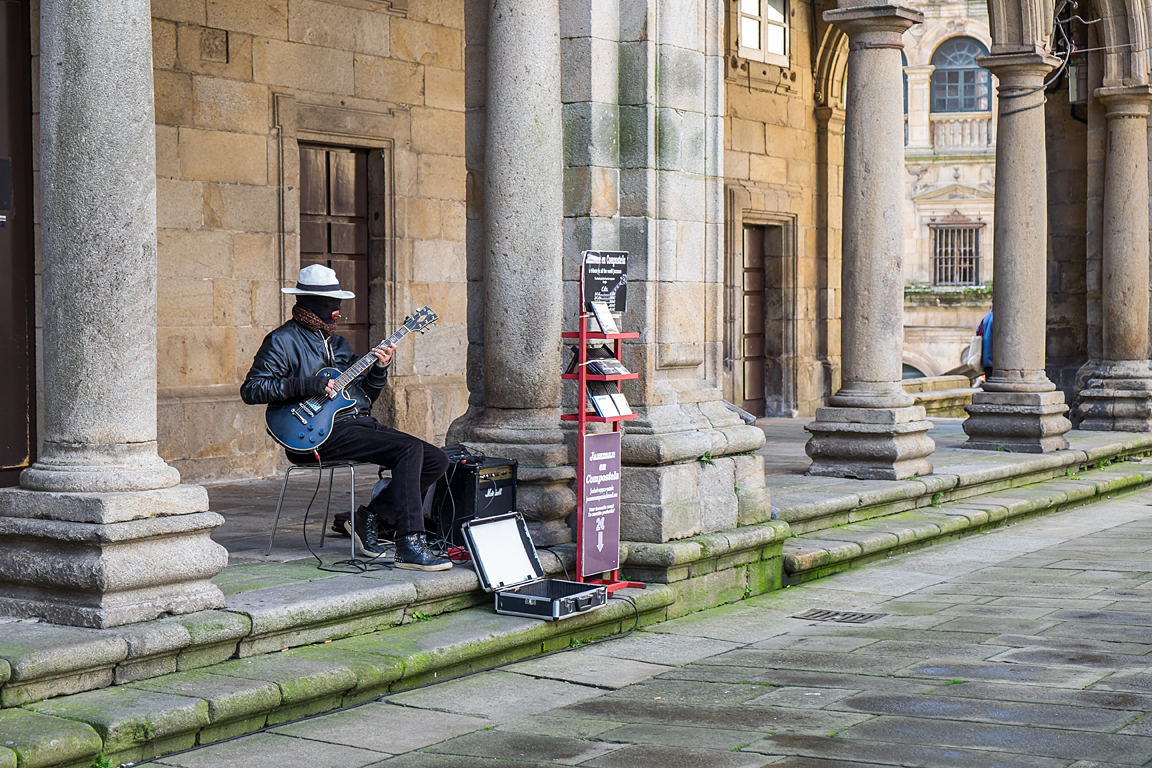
[228, 698]
[372, 670]
[300, 680]
[125, 717]
[40, 740]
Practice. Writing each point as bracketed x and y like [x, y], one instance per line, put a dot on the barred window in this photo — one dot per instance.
[956, 254]
[958, 84]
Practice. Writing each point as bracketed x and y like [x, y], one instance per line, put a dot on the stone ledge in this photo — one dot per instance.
[813, 555]
[40, 741]
[40, 661]
[177, 711]
[691, 550]
[811, 504]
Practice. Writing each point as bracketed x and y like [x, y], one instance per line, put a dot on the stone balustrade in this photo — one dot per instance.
[962, 131]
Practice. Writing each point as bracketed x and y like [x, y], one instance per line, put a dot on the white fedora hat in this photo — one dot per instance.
[319, 280]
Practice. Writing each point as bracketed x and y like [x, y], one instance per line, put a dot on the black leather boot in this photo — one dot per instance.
[385, 532]
[365, 534]
[412, 553]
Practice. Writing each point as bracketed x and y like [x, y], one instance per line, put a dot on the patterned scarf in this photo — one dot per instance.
[310, 320]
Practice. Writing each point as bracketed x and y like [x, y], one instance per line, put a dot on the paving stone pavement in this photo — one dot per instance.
[1026, 646]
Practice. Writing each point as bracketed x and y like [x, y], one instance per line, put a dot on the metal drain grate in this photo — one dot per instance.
[843, 617]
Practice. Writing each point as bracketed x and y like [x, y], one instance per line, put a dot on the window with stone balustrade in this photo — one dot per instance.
[958, 83]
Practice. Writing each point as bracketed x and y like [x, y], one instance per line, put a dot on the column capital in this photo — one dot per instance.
[874, 26]
[919, 71]
[830, 116]
[1126, 100]
[1019, 70]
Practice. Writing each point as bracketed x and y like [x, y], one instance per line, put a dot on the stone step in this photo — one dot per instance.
[274, 606]
[811, 504]
[945, 403]
[812, 555]
[170, 712]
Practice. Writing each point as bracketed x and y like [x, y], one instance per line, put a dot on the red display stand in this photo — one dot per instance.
[582, 377]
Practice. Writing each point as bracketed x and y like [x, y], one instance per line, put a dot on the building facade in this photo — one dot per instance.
[180, 160]
[950, 159]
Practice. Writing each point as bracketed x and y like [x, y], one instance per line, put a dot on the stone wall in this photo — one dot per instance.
[950, 160]
[939, 324]
[771, 169]
[238, 84]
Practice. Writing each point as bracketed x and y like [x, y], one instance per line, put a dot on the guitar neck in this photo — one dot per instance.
[366, 362]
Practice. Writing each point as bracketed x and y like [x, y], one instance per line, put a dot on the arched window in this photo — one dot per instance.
[904, 63]
[958, 84]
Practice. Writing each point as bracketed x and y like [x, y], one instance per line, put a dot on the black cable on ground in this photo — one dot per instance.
[378, 699]
[352, 565]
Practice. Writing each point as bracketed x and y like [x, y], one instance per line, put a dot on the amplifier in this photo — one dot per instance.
[473, 487]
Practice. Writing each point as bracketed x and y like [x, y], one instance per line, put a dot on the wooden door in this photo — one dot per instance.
[18, 416]
[753, 321]
[334, 228]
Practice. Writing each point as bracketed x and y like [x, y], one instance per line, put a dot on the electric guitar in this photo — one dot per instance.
[307, 424]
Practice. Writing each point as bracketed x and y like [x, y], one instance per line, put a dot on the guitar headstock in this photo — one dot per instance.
[421, 319]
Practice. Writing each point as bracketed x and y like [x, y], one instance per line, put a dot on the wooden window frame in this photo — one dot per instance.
[761, 54]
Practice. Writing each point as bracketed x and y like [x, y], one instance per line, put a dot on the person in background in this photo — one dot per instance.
[984, 330]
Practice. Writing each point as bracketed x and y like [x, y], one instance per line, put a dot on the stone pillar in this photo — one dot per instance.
[1019, 409]
[523, 293]
[920, 106]
[1119, 392]
[871, 428]
[101, 533]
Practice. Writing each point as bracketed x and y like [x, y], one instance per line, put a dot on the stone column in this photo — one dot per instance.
[101, 532]
[1119, 392]
[871, 428]
[1019, 409]
[523, 233]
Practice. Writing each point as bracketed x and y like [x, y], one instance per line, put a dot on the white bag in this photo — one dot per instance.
[976, 352]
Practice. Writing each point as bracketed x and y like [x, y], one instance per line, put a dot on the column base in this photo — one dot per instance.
[544, 476]
[680, 478]
[103, 560]
[870, 443]
[1118, 398]
[1018, 422]
[99, 468]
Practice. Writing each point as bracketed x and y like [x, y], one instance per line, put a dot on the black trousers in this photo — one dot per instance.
[415, 466]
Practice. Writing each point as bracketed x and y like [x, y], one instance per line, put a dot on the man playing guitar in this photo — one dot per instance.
[283, 370]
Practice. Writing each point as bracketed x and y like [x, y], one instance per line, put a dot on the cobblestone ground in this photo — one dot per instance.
[1027, 646]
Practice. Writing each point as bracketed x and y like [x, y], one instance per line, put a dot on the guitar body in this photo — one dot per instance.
[299, 427]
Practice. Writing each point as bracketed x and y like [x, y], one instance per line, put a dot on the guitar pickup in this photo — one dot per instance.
[297, 415]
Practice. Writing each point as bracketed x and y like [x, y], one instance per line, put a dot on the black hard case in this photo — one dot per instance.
[507, 564]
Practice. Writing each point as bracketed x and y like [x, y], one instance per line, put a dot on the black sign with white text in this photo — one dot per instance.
[604, 276]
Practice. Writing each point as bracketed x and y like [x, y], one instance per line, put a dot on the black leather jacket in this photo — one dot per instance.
[285, 366]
